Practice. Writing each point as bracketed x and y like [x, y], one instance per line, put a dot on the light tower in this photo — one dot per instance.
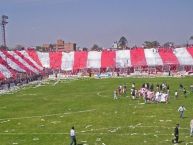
[3, 23]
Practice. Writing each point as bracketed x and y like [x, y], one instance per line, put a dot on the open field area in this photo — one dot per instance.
[44, 114]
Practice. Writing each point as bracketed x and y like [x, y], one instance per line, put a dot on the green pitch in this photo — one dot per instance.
[44, 114]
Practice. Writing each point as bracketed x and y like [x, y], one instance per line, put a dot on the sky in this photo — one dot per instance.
[101, 22]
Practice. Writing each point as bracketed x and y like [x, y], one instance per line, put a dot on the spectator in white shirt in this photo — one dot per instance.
[191, 127]
[72, 136]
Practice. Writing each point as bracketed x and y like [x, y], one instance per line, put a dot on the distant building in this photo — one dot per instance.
[60, 46]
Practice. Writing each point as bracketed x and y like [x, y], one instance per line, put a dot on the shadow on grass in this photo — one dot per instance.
[185, 117]
[180, 141]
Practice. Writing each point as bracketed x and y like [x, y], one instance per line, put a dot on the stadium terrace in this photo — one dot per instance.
[29, 63]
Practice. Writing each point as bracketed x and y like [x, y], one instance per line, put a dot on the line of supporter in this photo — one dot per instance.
[21, 78]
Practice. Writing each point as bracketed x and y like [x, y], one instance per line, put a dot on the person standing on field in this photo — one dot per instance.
[185, 92]
[72, 136]
[176, 134]
[115, 95]
[191, 127]
[181, 109]
[176, 94]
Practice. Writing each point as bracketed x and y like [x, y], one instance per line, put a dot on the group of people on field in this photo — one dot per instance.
[148, 89]
[181, 89]
[146, 92]
[119, 91]
[158, 94]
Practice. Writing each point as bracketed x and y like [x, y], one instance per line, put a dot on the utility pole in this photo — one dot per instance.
[3, 23]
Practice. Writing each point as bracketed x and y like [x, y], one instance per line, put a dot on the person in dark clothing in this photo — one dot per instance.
[133, 94]
[125, 89]
[168, 87]
[176, 134]
[160, 87]
[151, 87]
[181, 87]
[148, 86]
[184, 91]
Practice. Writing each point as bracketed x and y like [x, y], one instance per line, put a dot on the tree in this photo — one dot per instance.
[168, 44]
[19, 47]
[95, 47]
[151, 44]
[85, 49]
[39, 48]
[123, 43]
[51, 47]
[191, 37]
[3, 47]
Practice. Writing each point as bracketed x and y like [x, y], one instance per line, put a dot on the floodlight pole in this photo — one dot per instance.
[3, 23]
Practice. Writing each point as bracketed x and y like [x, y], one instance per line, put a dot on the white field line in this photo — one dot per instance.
[189, 143]
[99, 94]
[100, 133]
[48, 115]
[130, 126]
[56, 82]
[91, 131]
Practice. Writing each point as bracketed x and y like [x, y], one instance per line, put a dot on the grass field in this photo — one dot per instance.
[43, 115]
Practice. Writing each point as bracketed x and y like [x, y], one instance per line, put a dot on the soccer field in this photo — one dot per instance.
[44, 114]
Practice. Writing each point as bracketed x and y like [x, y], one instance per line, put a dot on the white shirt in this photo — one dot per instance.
[191, 123]
[72, 132]
[176, 93]
[180, 109]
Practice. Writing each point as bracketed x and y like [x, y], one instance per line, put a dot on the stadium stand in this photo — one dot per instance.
[35, 62]
[33, 55]
[80, 60]
[67, 61]
[44, 59]
[94, 59]
[32, 63]
[55, 60]
[138, 57]
[5, 70]
[26, 59]
[108, 59]
[123, 59]
[10, 55]
[168, 56]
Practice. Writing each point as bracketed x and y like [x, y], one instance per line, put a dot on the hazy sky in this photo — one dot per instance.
[86, 22]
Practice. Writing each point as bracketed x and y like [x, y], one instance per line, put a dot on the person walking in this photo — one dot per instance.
[115, 95]
[185, 92]
[176, 94]
[191, 127]
[176, 134]
[181, 109]
[72, 136]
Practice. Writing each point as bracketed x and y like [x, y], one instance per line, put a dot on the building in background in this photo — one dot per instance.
[60, 45]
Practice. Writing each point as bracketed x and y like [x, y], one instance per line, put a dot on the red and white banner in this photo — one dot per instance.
[33, 62]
